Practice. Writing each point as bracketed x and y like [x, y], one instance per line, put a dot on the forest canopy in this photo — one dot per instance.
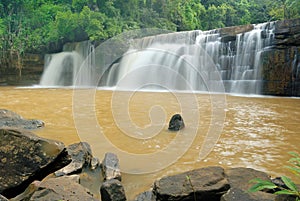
[43, 25]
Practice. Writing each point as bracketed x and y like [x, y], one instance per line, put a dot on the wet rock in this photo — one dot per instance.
[13, 120]
[285, 198]
[62, 188]
[237, 194]
[201, 184]
[176, 123]
[2, 198]
[81, 155]
[26, 157]
[287, 32]
[94, 163]
[239, 182]
[240, 177]
[111, 167]
[234, 30]
[112, 190]
[280, 72]
[26, 195]
[146, 196]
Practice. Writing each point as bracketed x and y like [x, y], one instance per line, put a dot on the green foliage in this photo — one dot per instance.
[291, 186]
[295, 163]
[35, 25]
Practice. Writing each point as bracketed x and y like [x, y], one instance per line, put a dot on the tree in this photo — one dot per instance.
[285, 9]
[214, 17]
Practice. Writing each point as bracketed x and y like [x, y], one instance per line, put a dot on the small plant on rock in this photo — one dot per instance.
[290, 187]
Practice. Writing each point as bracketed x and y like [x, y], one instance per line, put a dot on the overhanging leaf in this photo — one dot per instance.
[285, 192]
[261, 184]
[288, 182]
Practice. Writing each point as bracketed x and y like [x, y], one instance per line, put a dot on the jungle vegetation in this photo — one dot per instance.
[35, 26]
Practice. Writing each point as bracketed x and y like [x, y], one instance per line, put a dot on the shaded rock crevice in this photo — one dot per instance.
[27, 158]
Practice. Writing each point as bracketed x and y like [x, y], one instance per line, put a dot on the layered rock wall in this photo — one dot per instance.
[30, 72]
[281, 63]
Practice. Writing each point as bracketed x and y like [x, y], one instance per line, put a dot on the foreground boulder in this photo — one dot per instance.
[239, 181]
[111, 167]
[26, 157]
[146, 196]
[202, 184]
[13, 120]
[81, 155]
[176, 123]
[62, 188]
[112, 190]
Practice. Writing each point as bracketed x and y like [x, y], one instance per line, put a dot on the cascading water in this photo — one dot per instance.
[198, 60]
[62, 69]
[193, 60]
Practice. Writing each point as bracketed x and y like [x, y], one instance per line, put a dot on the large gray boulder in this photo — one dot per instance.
[62, 188]
[201, 184]
[26, 157]
[9, 119]
[239, 181]
[111, 167]
[81, 155]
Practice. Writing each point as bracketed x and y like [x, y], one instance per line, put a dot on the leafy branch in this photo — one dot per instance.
[290, 187]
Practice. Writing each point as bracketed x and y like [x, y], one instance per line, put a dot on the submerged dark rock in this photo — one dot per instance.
[176, 123]
[13, 120]
[26, 157]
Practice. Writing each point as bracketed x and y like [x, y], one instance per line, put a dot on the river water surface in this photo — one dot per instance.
[258, 132]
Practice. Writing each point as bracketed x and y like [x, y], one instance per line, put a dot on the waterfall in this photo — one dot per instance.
[197, 60]
[62, 69]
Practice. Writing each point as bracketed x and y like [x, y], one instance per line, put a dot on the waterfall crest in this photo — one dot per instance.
[192, 60]
[62, 69]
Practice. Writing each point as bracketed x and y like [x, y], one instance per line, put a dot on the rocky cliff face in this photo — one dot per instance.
[281, 63]
[30, 73]
[279, 67]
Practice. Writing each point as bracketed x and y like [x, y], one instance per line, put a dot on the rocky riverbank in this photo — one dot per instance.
[34, 168]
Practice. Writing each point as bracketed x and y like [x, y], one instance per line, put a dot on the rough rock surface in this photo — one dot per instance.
[26, 195]
[2, 198]
[239, 182]
[146, 196]
[237, 194]
[62, 188]
[176, 123]
[13, 120]
[81, 155]
[201, 184]
[112, 190]
[111, 167]
[26, 157]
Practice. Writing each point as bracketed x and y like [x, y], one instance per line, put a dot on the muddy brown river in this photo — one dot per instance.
[224, 130]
